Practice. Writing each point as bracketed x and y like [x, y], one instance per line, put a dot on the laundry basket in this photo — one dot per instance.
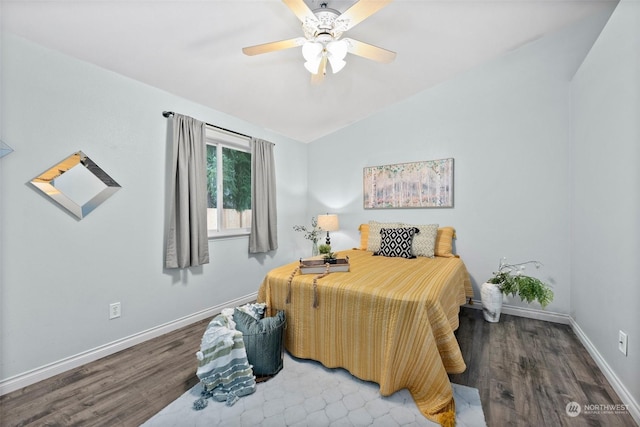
[263, 341]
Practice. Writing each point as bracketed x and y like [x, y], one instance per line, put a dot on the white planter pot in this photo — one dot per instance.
[491, 297]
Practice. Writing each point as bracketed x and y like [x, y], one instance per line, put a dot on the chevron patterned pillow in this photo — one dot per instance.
[396, 242]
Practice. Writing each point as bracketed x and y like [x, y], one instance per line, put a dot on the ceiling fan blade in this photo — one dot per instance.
[273, 46]
[300, 9]
[361, 11]
[318, 78]
[369, 51]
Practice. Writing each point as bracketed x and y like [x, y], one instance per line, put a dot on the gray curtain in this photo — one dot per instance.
[264, 234]
[187, 241]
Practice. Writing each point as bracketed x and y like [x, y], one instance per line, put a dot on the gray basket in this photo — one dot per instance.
[265, 350]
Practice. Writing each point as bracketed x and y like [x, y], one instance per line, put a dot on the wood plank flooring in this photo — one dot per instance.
[124, 389]
[526, 371]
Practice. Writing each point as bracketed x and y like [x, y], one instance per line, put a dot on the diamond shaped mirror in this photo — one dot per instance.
[77, 184]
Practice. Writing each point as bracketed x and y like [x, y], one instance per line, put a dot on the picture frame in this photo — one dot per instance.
[424, 184]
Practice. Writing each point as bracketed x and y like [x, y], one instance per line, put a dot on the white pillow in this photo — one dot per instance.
[373, 244]
[424, 242]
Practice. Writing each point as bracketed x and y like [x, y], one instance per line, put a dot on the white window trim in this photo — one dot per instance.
[221, 138]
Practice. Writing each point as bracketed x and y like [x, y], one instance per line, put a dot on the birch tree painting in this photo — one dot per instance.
[427, 184]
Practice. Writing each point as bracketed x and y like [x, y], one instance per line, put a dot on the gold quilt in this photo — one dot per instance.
[387, 320]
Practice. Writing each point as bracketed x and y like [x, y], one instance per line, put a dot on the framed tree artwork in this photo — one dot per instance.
[426, 184]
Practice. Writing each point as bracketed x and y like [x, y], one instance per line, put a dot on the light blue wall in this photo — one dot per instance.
[507, 125]
[60, 274]
[606, 194]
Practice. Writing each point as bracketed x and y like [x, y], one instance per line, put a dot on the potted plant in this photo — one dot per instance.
[330, 257]
[511, 280]
[324, 249]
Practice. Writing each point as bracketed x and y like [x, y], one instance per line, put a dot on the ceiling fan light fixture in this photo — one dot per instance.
[337, 49]
[313, 65]
[312, 51]
[323, 29]
[336, 64]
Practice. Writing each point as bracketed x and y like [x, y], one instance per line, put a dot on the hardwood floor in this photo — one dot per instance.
[124, 389]
[526, 371]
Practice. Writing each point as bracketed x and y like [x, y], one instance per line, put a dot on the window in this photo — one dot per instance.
[228, 183]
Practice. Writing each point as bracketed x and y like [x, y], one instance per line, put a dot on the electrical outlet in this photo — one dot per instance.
[622, 342]
[114, 310]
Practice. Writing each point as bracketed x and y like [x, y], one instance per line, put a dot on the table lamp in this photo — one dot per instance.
[328, 222]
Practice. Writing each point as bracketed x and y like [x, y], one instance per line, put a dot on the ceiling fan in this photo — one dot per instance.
[322, 42]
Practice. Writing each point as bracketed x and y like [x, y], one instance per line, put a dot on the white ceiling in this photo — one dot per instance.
[193, 49]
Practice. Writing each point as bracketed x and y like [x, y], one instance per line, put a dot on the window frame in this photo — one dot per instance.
[223, 139]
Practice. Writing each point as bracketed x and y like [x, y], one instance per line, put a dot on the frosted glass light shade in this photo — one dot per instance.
[334, 51]
[337, 49]
[336, 64]
[311, 51]
[312, 66]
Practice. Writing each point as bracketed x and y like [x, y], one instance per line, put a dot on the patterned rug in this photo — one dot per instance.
[305, 393]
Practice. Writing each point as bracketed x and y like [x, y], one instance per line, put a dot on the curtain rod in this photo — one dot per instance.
[170, 113]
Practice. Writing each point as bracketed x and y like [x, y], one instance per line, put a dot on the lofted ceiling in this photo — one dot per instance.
[193, 49]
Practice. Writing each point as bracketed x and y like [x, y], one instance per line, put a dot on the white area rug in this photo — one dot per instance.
[305, 393]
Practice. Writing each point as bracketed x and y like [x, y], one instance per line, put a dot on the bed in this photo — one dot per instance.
[389, 320]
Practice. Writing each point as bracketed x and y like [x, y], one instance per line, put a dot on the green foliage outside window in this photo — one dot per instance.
[212, 171]
[236, 179]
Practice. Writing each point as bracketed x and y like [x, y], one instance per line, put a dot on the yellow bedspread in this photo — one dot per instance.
[388, 320]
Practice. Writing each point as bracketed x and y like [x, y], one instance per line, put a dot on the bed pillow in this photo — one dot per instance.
[373, 242]
[396, 242]
[444, 242]
[424, 242]
[364, 236]
[249, 325]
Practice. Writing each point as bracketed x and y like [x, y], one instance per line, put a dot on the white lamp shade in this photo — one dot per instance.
[336, 64]
[336, 52]
[328, 222]
[313, 66]
[311, 51]
[337, 49]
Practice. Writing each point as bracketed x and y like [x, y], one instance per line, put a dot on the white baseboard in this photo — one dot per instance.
[31, 377]
[610, 375]
[530, 313]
